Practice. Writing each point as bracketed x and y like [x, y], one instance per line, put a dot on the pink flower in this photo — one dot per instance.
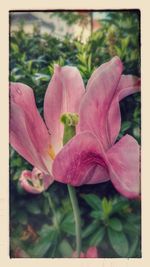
[92, 156]
[35, 181]
[35, 140]
[90, 253]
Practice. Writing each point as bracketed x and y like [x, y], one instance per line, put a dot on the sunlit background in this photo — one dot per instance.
[78, 25]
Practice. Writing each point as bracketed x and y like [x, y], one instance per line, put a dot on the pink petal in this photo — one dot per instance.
[28, 133]
[75, 163]
[63, 94]
[92, 252]
[47, 179]
[128, 84]
[124, 166]
[34, 177]
[104, 91]
[97, 174]
[97, 101]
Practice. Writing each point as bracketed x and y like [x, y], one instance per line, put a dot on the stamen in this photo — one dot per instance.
[70, 120]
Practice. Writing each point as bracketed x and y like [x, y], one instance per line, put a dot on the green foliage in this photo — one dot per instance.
[46, 243]
[112, 223]
[119, 242]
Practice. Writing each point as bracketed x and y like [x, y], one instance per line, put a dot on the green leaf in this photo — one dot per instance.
[133, 246]
[107, 207]
[134, 218]
[132, 228]
[97, 214]
[90, 229]
[92, 200]
[115, 224]
[68, 224]
[14, 47]
[16, 175]
[46, 229]
[97, 237]
[33, 207]
[125, 126]
[16, 162]
[65, 249]
[47, 239]
[120, 205]
[41, 76]
[22, 217]
[118, 242]
[89, 62]
[46, 208]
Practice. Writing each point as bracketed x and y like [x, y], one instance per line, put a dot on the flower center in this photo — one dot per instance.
[70, 120]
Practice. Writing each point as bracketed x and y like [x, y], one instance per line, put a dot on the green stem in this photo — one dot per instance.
[50, 202]
[76, 212]
[70, 120]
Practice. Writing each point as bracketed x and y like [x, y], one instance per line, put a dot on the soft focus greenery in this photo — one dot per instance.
[109, 221]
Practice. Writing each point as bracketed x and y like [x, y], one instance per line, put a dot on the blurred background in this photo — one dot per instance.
[78, 25]
[85, 39]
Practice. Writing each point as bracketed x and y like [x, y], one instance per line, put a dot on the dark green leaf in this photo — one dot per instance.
[68, 224]
[120, 205]
[33, 207]
[115, 224]
[97, 214]
[132, 228]
[107, 207]
[90, 229]
[22, 217]
[97, 237]
[133, 246]
[118, 242]
[65, 249]
[47, 239]
[125, 126]
[92, 200]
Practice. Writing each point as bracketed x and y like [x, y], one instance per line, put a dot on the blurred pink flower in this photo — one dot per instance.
[90, 253]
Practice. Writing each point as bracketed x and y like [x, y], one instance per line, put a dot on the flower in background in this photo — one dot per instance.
[90, 253]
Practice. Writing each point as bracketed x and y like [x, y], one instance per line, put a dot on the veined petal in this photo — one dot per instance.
[63, 94]
[28, 133]
[35, 181]
[101, 89]
[128, 84]
[124, 161]
[76, 162]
